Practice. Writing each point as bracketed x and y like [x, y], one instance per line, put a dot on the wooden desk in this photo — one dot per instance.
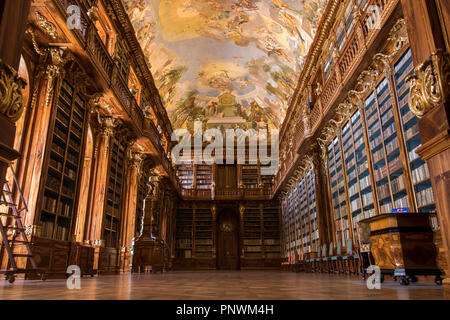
[402, 245]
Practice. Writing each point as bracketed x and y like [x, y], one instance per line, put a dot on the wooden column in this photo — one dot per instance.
[428, 30]
[128, 227]
[98, 191]
[47, 83]
[13, 15]
[324, 212]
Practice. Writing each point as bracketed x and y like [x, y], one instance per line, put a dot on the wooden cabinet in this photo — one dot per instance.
[402, 244]
[83, 256]
[108, 261]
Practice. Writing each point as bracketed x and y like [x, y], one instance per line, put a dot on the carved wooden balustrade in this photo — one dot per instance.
[228, 194]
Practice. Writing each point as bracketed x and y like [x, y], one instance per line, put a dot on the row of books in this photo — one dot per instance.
[390, 130]
[72, 157]
[202, 241]
[413, 154]
[401, 202]
[62, 233]
[341, 224]
[53, 183]
[353, 190]
[407, 116]
[49, 204]
[74, 144]
[391, 146]
[398, 184]
[378, 155]
[57, 165]
[355, 205]
[58, 149]
[62, 117]
[411, 132]
[60, 133]
[68, 191]
[420, 174]
[71, 173]
[252, 248]
[425, 197]
[64, 209]
[383, 191]
[46, 230]
[367, 199]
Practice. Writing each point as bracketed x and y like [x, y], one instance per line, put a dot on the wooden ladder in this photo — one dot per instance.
[18, 233]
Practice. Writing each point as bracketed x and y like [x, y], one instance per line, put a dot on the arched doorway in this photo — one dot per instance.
[228, 239]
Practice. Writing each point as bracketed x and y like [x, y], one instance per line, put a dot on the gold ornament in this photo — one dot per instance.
[11, 99]
[429, 86]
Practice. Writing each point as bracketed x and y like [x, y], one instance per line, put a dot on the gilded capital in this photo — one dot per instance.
[11, 99]
[430, 85]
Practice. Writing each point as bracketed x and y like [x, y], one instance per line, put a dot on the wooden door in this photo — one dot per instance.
[228, 240]
[226, 177]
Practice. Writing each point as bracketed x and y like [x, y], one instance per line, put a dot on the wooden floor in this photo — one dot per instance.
[212, 285]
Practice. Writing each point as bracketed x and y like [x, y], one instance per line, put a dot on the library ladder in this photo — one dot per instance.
[18, 233]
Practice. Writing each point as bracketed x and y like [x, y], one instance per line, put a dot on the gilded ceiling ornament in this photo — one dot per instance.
[11, 99]
[430, 85]
[46, 25]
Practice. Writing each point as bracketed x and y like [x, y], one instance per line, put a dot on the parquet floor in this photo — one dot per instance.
[220, 285]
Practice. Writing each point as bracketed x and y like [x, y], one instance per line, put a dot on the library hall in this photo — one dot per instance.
[224, 150]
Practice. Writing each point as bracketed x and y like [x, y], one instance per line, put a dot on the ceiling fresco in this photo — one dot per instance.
[229, 63]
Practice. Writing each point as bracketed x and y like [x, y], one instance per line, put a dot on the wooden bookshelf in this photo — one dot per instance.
[389, 137]
[203, 233]
[359, 183]
[186, 175]
[421, 182]
[60, 188]
[111, 225]
[252, 233]
[338, 191]
[249, 176]
[312, 209]
[184, 233]
[271, 233]
[203, 176]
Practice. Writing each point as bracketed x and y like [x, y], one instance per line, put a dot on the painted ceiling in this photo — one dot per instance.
[229, 63]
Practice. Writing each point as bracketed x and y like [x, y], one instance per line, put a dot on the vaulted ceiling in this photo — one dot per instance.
[229, 63]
